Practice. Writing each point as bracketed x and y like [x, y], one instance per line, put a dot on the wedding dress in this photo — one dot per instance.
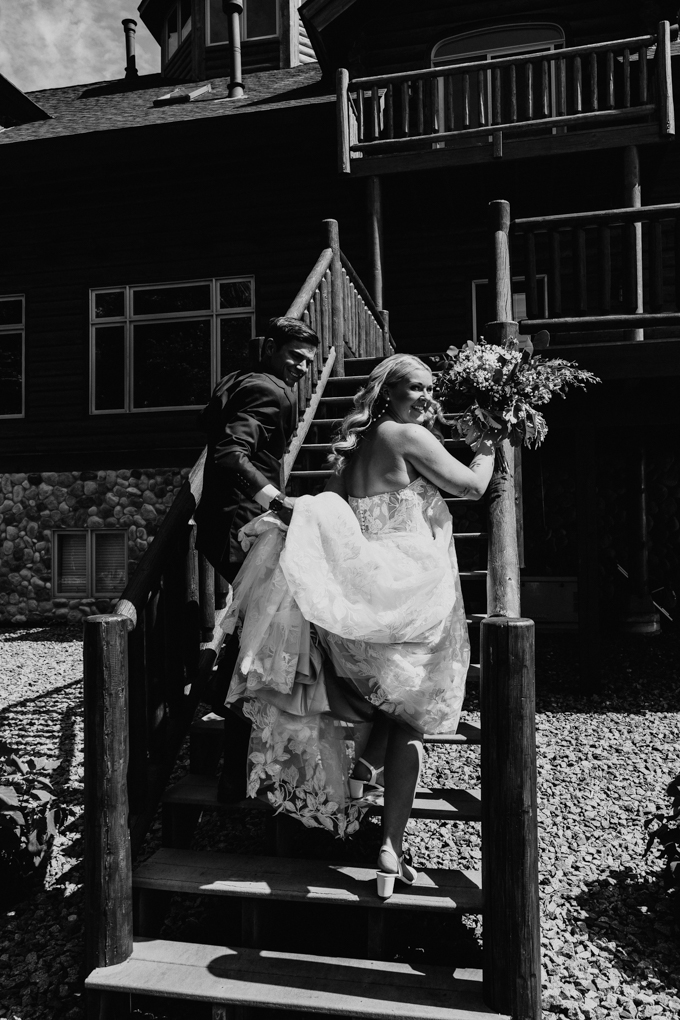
[357, 607]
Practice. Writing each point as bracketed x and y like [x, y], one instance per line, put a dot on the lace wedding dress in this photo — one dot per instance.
[359, 602]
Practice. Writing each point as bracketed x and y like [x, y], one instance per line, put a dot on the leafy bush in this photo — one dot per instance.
[664, 829]
[29, 815]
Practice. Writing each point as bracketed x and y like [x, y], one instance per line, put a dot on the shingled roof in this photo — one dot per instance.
[117, 105]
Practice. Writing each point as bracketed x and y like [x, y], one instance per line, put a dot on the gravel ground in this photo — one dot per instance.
[609, 932]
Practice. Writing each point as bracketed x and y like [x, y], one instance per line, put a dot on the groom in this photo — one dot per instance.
[249, 422]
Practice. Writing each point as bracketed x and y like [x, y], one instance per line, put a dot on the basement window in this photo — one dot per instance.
[164, 346]
[12, 356]
[259, 21]
[89, 563]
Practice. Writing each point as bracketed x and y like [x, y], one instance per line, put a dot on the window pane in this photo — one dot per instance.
[71, 564]
[219, 23]
[509, 37]
[185, 19]
[11, 312]
[235, 335]
[260, 18]
[173, 36]
[172, 363]
[194, 297]
[236, 294]
[109, 304]
[109, 368]
[110, 562]
[11, 373]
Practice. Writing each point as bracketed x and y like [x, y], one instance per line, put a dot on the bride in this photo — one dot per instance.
[353, 637]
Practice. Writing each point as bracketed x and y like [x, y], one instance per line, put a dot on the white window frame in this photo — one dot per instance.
[244, 26]
[541, 278]
[180, 35]
[17, 329]
[90, 534]
[500, 51]
[214, 314]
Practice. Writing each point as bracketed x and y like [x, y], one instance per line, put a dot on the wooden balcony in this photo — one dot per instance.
[598, 96]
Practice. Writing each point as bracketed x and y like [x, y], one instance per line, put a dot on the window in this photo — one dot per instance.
[90, 563]
[489, 44]
[164, 346]
[12, 356]
[177, 27]
[480, 299]
[259, 21]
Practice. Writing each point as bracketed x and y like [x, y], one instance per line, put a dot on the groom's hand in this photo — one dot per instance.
[283, 508]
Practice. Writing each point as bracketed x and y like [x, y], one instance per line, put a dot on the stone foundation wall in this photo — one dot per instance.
[34, 505]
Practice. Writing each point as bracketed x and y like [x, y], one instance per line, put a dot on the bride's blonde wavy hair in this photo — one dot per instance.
[370, 402]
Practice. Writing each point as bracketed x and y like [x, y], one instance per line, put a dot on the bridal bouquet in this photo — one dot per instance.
[491, 391]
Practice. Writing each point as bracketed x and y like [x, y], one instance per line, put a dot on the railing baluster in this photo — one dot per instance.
[326, 339]
[529, 84]
[360, 116]
[677, 262]
[561, 87]
[578, 85]
[630, 289]
[496, 100]
[594, 97]
[420, 111]
[192, 608]
[466, 100]
[530, 273]
[610, 80]
[555, 274]
[604, 258]
[449, 116]
[656, 265]
[389, 111]
[434, 105]
[361, 327]
[405, 109]
[545, 89]
[642, 74]
[481, 98]
[626, 77]
[375, 112]
[580, 270]
[513, 93]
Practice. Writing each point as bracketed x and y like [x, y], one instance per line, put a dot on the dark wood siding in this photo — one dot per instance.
[180, 64]
[256, 55]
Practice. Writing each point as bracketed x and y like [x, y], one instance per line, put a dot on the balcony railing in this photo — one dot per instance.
[515, 106]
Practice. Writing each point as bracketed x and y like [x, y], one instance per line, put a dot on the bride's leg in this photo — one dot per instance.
[375, 748]
[403, 761]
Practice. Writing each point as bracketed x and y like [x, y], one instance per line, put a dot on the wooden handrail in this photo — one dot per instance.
[306, 292]
[523, 58]
[609, 216]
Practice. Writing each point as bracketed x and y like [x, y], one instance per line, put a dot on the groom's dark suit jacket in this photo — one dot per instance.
[249, 421]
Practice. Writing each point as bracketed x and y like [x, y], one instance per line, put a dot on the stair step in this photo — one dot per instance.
[206, 873]
[472, 575]
[295, 981]
[200, 792]
[467, 733]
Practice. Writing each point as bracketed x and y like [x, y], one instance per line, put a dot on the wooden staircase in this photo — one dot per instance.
[259, 973]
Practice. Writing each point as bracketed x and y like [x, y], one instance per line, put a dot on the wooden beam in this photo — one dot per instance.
[665, 80]
[375, 238]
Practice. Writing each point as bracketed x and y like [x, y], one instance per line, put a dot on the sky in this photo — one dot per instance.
[50, 43]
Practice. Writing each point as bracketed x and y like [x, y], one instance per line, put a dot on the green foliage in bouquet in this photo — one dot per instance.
[491, 391]
[29, 816]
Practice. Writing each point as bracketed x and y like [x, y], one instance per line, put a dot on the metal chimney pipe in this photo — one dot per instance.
[129, 27]
[234, 10]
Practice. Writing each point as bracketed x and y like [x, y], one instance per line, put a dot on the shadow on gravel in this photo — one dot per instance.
[638, 917]
[54, 635]
[44, 695]
[637, 674]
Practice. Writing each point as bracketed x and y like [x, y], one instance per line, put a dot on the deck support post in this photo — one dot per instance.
[632, 196]
[640, 616]
[337, 299]
[108, 864]
[512, 941]
[585, 468]
[375, 238]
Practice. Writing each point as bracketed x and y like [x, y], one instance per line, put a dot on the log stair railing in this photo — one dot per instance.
[363, 982]
[598, 95]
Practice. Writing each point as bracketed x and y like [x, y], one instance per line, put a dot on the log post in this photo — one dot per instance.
[342, 101]
[633, 231]
[640, 617]
[337, 298]
[375, 238]
[585, 468]
[512, 940]
[503, 583]
[108, 865]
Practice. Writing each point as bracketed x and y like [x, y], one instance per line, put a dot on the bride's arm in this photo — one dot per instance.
[430, 459]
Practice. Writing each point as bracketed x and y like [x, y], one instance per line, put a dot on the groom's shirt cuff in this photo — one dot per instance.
[266, 495]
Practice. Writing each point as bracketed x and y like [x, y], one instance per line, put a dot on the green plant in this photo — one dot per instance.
[664, 828]
[29, 815]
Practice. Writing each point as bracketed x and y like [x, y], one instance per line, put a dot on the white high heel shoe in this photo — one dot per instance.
[385, 879]
[359, 788]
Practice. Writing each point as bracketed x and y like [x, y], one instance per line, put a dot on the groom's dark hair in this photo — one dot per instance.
[283, 329]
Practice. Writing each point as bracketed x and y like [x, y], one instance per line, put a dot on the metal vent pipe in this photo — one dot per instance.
[129, 27]
[234, 9]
